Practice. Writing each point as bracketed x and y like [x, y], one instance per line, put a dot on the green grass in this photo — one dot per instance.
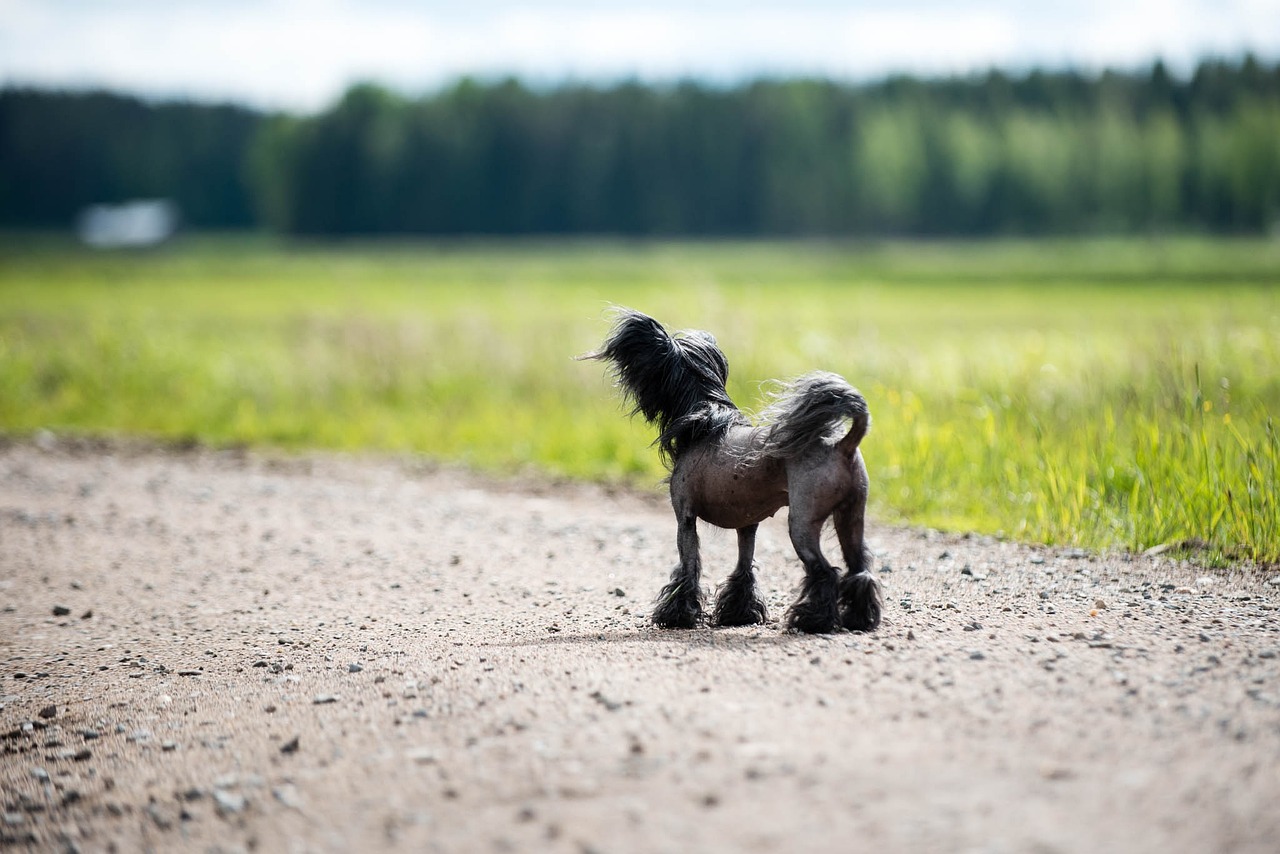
[1097, 393]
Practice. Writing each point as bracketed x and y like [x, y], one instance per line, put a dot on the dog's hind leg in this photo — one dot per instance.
[816, 611]
[859, 590]
[737, 603]
[680, 602]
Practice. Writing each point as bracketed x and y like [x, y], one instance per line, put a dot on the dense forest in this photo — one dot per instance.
[1037, 153]
[62, 151]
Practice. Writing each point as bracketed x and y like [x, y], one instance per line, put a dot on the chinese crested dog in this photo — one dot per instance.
[803, 454]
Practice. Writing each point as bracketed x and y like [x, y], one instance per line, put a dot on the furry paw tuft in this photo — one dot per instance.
[679, 606]
[738, 605]
[814, 618]
[860, 603]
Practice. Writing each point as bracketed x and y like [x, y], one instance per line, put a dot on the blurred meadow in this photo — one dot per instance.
[1103, 393]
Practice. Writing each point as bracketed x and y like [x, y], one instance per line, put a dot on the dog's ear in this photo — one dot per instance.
[711, 349]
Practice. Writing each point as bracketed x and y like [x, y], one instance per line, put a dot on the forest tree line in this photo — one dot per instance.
[1038, 153]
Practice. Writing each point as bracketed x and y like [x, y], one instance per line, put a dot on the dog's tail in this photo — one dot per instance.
[812, 409]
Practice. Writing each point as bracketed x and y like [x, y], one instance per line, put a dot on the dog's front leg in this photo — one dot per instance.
[680, 602]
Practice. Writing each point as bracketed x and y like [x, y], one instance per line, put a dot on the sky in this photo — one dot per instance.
[302, 54]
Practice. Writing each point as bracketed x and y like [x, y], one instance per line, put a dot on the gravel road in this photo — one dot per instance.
[226, 651]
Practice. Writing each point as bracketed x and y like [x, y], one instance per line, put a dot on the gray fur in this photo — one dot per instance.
[733, 474]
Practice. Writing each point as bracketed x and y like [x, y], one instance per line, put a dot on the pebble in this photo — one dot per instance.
[290, 746]
[354, 668]
[40, 774]
[325, 699]
[61, 610]
[159, 816]
[1100, 604]
[287, 794]
[977, 655]
[229, 802]
[422, 755]
[48, 712]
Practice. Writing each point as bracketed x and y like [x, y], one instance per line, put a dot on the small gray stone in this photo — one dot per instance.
[325, 699]
[159, 816]
[354, 668]
[287, 794]
[229, 802]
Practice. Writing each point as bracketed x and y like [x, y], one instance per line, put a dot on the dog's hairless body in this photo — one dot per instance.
[733, 474]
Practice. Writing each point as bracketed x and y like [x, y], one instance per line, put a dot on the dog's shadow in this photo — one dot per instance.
[701, 638]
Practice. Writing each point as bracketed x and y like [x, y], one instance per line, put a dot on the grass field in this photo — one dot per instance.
[1097, 393]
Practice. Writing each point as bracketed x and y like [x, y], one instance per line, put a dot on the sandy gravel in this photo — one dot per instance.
[213, 651]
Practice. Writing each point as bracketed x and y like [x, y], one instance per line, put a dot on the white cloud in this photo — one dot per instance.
[302, 54]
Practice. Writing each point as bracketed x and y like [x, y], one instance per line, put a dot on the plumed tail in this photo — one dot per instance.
[811, 410]
[677, 382]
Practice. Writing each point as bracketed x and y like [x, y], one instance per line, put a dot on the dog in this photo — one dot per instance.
[732, 473]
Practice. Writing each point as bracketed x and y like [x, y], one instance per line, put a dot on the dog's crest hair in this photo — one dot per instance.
[677, 382]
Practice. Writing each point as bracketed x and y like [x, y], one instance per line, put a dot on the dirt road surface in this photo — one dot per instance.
[225, 652]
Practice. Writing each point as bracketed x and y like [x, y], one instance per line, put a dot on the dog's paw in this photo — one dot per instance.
[678, 607]
[733, 609]
[813, 618]
[860, 604]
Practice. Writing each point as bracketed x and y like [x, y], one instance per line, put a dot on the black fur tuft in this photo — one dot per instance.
[677, 382]
[817, 610]
[679, 604]
[860, 602]
[737, 603]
